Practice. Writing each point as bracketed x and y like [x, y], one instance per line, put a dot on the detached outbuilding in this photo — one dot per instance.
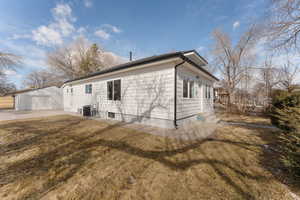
[48, 98]
[165, 90]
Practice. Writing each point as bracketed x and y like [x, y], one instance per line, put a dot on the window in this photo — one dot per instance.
[191, 90]
[117, 90]
[67, 90]
[207, 91]
[188, 89]
[110, 90]
[88, 89]
[185, 88]
[71, 90]
[111, 115]
[114, 90]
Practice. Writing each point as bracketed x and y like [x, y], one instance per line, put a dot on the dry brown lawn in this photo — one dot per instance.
[229, 117]
[66, 157]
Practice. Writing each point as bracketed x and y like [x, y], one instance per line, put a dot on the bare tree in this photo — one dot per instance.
[42, 78]
[80, 58]
[5, 85]
[233, 60]
[7, 61]
[270, 77]
[289, 72]
[76, 59]
[284, 24]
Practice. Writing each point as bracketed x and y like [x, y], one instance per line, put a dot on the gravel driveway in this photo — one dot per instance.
[13, 115]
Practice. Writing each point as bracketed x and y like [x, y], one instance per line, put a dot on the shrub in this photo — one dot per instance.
[285, 114]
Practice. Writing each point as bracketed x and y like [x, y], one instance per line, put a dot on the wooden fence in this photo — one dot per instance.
[7, 102]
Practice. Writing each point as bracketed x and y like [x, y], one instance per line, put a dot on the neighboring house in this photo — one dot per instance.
[164, 90]
[47, 98]
[221, 95]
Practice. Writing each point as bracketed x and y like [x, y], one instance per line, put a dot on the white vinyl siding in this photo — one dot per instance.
[144, 92]
[196, 103]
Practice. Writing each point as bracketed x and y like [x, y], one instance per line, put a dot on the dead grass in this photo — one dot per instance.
[66, 157]
[229, 117]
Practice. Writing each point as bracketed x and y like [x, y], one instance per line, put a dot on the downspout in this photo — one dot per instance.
[175, 90]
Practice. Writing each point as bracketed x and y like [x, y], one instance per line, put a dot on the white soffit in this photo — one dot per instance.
[195, 58]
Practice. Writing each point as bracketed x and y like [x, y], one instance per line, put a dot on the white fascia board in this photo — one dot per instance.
[171, 60]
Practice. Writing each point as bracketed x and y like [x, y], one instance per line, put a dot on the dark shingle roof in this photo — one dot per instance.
[148, 60]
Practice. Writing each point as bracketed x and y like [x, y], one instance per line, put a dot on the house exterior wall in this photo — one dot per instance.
[147, 96]
[188, 108]
[49, 98]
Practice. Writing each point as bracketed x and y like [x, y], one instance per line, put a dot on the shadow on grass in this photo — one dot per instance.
[75, 151]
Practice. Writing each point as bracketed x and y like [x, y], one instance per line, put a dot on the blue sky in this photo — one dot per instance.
[31, 28]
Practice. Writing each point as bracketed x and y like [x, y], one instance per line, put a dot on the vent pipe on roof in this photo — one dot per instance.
[130, 56]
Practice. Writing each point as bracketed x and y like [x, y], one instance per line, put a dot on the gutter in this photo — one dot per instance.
[175, 90]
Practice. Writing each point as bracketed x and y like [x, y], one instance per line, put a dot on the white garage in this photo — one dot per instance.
[49, 98]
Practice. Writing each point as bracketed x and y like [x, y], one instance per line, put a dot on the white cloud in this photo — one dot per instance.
[62, 26]
[236, 24]
[33, 56]
[47, 36]
[102, 34]
[62, 10]
[112, 28]
[111, 59]
[20, 36]
[81, 30]
[201, 48]
[11, 74]
[105, 31]
[88, 3]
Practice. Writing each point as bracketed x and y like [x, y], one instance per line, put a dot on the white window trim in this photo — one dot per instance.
[91, 89]
[113, 90]
[188, 89]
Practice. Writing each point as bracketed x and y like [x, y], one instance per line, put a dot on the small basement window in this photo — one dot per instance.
[111, 115]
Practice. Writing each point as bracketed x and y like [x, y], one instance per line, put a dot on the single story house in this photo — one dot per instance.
[47, 98]
[164, 90]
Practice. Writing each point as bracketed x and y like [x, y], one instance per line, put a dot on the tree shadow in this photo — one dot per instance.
[76, 151]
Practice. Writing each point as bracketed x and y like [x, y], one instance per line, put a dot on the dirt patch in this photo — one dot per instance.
[68, 157]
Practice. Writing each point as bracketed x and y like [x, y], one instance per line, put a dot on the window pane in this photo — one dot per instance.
[117, 90]
[88, 89]
[209, 92]
[191, 89]
[109, 90]
[185, 88]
